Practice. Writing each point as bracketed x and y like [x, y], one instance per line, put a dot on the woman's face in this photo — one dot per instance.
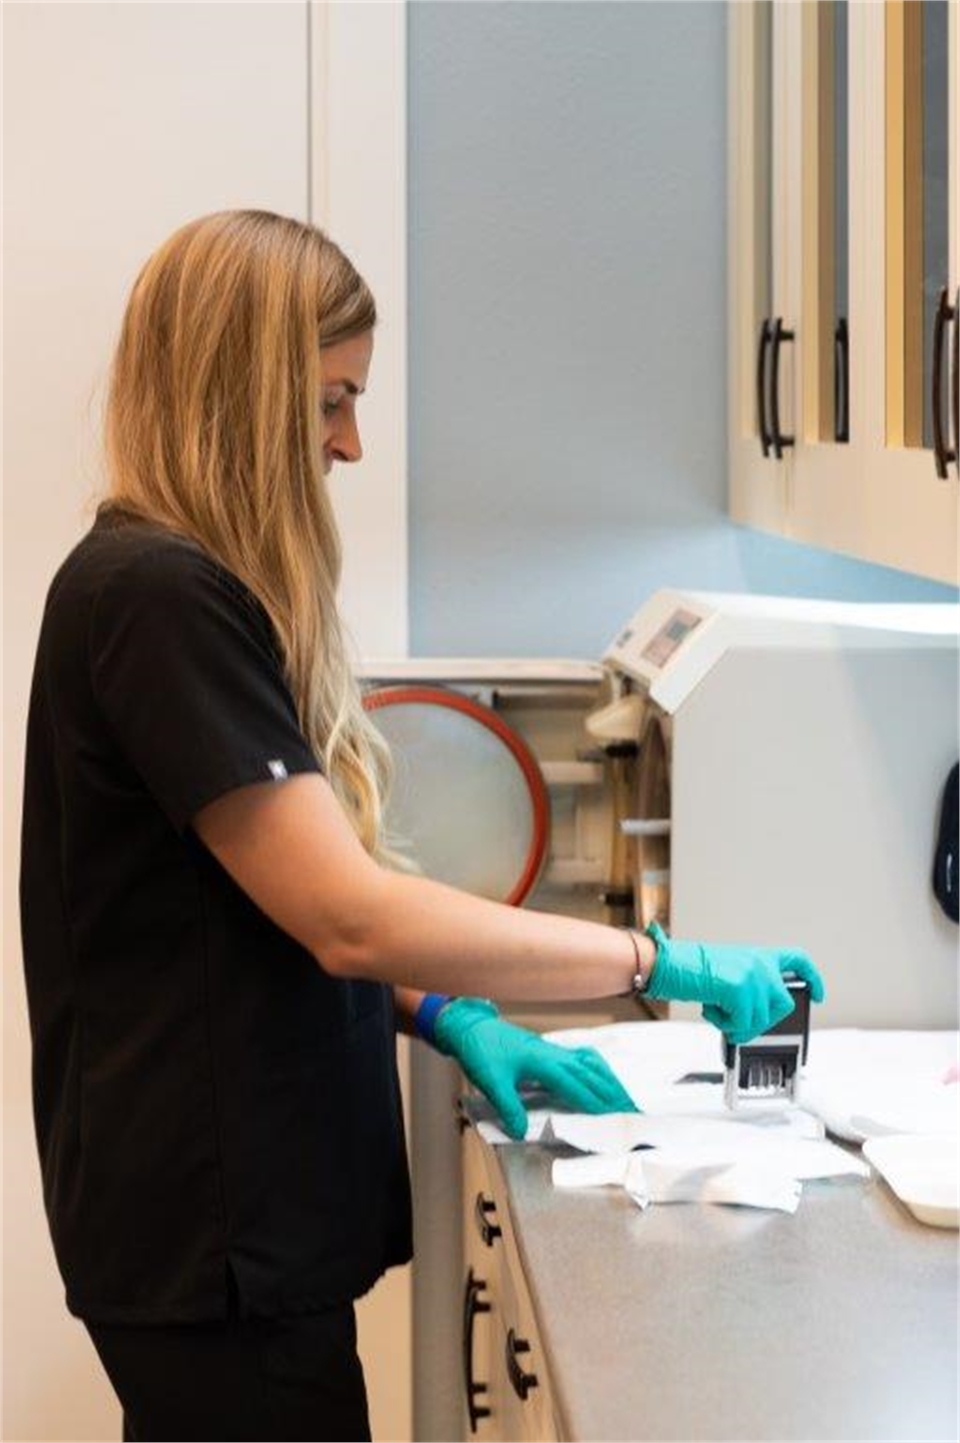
[345, 368]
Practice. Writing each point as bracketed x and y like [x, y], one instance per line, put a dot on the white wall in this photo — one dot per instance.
[121, 122]
[358, 190]
[358, 170]
[568, 330]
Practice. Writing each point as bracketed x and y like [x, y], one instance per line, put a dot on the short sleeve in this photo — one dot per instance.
[185, 670]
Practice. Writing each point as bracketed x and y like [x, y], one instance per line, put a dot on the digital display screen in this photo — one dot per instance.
[677, 626]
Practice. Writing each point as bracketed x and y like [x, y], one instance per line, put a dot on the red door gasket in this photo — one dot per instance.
[522, 755]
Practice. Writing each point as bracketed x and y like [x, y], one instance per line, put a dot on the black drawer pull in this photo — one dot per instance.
[954, 387]
[942, 452]
[487, 1230]
[762, 348]
[472, 1305]
[841, 381]
[521, 1381]
[778, 439]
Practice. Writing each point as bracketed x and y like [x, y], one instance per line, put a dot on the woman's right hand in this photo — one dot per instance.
[742, 988]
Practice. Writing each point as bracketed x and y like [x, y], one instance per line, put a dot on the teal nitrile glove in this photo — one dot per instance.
[497, 1057]
[742, 987]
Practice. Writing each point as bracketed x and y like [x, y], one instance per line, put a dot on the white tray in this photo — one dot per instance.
[924, 1172]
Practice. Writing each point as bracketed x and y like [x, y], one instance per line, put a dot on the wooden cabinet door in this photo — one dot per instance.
[830, 233]
[911, 253]
[845, 221]
[759, 290]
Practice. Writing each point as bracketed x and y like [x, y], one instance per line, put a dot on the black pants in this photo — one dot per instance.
[263, 1379]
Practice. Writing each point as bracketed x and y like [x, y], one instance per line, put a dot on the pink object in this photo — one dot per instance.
[952, 1074]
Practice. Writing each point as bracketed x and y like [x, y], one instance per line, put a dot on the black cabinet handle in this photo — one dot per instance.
[778, 439]
[488, 1230]
[762, 348]
[521, 1380]
[472, 1305]
[954, 388]
[841, 381]
[942, 455]
[616, 897]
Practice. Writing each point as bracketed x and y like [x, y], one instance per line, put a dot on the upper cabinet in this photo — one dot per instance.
[844, 273]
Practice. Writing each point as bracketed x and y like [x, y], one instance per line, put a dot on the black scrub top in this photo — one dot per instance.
[207, 1099]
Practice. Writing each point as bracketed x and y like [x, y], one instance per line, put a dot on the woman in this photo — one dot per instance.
[217, 947]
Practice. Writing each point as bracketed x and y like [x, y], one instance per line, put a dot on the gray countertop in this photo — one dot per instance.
[704, 1322]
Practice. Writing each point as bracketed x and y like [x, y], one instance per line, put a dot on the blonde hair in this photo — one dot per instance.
[213, 428]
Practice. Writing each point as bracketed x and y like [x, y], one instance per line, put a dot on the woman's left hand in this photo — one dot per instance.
[498, 1056]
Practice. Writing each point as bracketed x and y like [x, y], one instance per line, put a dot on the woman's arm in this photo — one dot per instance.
[406, 1001]
[444, 940]
[291, 848]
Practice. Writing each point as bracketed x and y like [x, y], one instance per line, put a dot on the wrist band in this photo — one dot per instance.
[425, 1017]
[638, 985]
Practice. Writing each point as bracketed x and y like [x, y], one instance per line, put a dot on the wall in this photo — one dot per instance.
[120, 123]
[567, 202]
[108, 147]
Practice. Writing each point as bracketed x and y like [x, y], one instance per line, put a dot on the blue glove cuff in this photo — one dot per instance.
[425, 1017]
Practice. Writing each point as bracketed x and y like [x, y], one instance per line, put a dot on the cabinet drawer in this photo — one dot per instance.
[525, 1380]
[480, 1373]
[507, 1391]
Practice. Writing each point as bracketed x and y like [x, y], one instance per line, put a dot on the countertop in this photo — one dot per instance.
[690, 1321]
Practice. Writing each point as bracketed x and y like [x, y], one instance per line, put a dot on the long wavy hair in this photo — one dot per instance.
[214, 429]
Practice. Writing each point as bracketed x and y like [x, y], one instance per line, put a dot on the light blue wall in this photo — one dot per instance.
[567, 212]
